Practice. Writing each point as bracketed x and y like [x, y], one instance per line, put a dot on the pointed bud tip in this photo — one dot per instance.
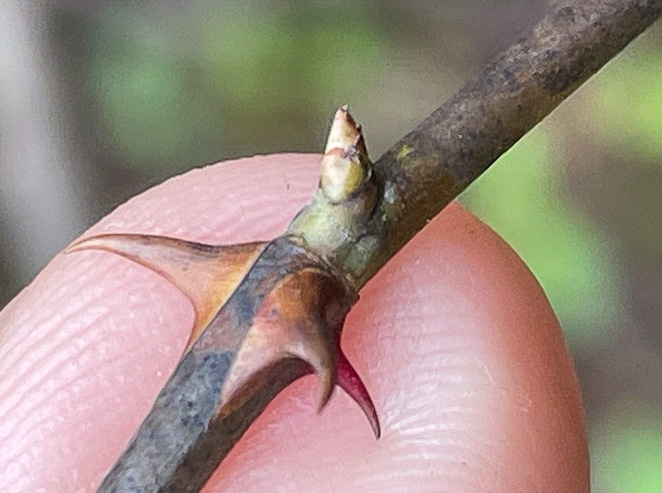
[344, 132]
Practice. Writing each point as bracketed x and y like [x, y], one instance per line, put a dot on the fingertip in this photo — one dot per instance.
[87, 346]
[469, 362]
[454, 340]
[236, 201]
[469, 373]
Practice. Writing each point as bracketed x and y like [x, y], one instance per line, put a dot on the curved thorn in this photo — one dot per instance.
[316, 350]
[206, 274]
[350, 382]
[327, 379]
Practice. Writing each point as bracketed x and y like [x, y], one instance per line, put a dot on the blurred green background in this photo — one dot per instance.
[100, 100]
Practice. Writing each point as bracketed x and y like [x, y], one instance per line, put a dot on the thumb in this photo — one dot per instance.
[454, 339]
[471, 377]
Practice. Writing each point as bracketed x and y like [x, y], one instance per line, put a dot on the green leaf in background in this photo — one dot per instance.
[288, 64]
[298, 53]
[178, 86]
[152, 117]
[629, 101]
[250, 56]
[522, 198]
[627, 452]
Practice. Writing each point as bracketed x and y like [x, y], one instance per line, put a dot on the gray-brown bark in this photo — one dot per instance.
[358, 232]
[435, 162]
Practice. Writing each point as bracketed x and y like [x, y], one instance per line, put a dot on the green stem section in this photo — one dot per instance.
[430, 166]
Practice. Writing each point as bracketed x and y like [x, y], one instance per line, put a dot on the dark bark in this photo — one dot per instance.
[431, 165]
[357, 229]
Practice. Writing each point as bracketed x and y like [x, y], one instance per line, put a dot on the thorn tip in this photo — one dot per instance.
[327, 381]
[350, 382]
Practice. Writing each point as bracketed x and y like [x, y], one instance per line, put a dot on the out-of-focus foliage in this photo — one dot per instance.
[627, 451]
[623, 115]
[520, 198]
[629, 102]
[151, 116]
[263, 73]
[294, 59]
[155, 88]
[579, 199]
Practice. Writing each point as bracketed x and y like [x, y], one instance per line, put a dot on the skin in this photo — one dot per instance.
[454, 339]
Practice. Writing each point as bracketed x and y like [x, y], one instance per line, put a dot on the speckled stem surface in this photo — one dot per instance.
[411, 183]
[431, 165]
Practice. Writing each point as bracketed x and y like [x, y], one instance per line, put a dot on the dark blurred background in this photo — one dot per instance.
[100, 100]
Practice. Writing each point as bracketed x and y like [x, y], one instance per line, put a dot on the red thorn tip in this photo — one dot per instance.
[350, 382]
